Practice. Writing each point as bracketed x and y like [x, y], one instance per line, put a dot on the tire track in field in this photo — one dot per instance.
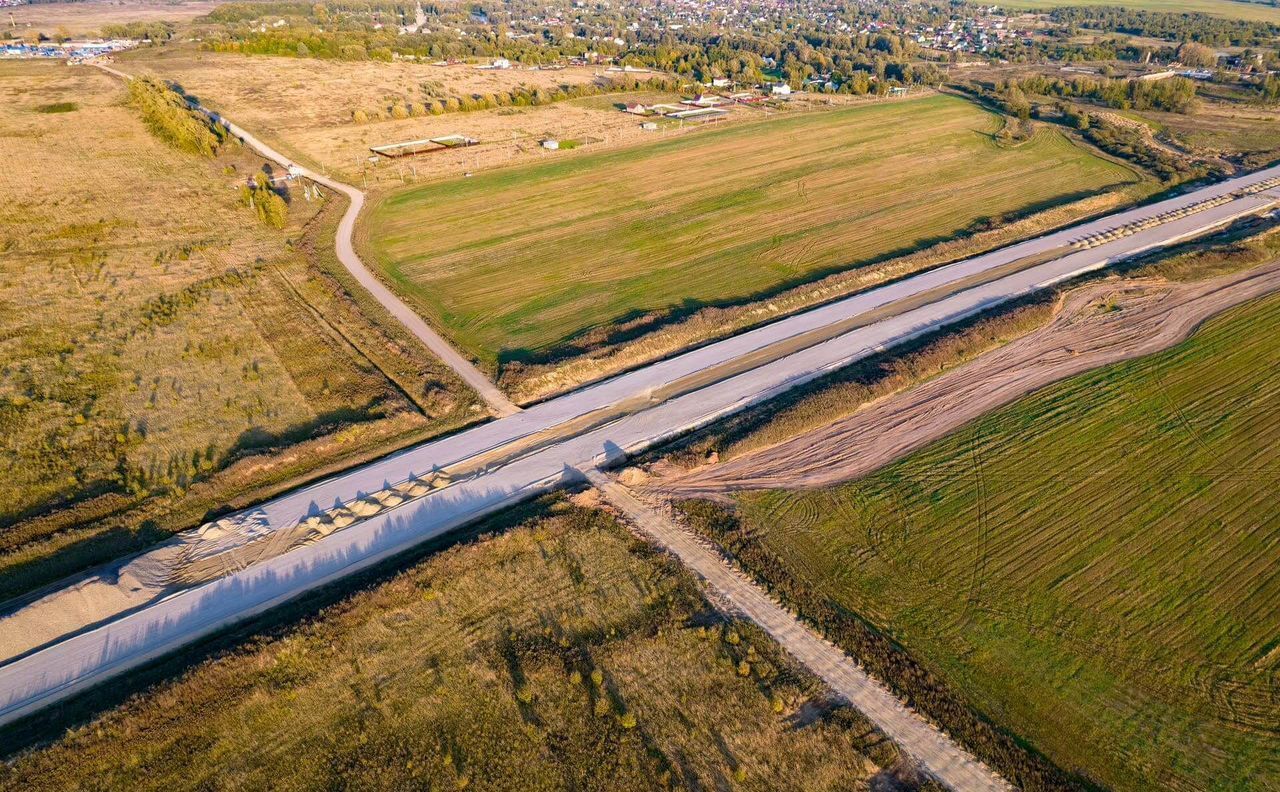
[1155, 315]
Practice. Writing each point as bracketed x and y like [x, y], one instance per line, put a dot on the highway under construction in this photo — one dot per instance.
[81, 632]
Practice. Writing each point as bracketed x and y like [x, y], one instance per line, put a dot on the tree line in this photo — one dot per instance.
[1172, 94]
[1211, 30]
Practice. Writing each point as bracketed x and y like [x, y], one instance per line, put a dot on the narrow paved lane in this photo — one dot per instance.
[343, 245]
[497, 464]
[940, 756]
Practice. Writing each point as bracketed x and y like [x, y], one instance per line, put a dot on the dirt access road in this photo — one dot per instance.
[1097, 325]
[938, 754]
[495, 398]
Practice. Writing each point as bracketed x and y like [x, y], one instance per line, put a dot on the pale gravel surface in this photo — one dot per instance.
[1152, 315]
[938, 755]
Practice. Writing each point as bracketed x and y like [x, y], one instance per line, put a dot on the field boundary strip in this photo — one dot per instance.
[939, 756]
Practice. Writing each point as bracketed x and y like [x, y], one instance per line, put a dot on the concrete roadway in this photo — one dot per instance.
[628, 421]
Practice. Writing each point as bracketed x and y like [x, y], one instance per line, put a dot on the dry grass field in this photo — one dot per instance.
[305, 107]
[157, 336]
[1091, 567]
[561, 654]
[88, 17]
[722, 216]
[1239, 9]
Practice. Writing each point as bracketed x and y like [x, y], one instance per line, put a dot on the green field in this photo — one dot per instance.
[1093, 567]
[1238, 9]
[513, 262]
[559, 655]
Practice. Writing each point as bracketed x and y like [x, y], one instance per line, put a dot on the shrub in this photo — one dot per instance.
[168, 115]
[270, 207]
[58, 107]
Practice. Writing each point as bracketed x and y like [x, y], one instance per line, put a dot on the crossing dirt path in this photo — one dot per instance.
[938, 754]
[495, 398]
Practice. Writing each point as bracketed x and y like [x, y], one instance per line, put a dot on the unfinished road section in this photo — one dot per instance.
[345, 249]
[320, 533]
[938, 755]
[1154, 315]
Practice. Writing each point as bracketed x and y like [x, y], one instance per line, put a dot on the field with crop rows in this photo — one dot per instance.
[1092, 567]
[561, 654]
[513, 261]
[154, 331]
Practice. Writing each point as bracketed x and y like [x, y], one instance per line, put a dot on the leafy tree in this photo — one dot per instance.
[268, 204]
[171, 118]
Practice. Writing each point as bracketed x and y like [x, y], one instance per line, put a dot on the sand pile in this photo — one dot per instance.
[205, 553]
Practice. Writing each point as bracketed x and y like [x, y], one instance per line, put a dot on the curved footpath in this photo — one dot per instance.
[343, 244]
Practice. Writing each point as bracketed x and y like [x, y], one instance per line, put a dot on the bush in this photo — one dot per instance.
[171, 119]
[270, 207]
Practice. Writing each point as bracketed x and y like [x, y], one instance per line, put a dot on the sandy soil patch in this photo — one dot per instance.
[306, 106]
